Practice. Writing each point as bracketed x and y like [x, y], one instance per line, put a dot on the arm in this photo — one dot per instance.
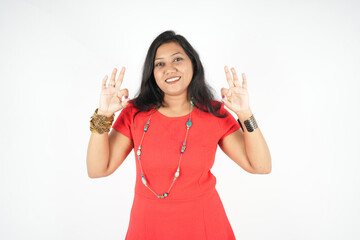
[106, 152]
[248, 149]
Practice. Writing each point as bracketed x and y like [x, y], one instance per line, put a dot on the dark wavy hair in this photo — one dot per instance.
[151, 96]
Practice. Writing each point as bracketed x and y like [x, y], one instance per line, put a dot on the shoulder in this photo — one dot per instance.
[130, 108]
[130, 105]
[128, 111]
[133, 112]
[215, 104]
[220, 106]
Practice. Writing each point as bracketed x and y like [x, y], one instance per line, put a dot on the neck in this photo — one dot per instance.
[176, 102]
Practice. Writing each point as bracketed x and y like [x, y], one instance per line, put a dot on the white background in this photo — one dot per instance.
[301, 59]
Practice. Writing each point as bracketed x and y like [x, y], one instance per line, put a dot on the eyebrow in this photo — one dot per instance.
[171, 55]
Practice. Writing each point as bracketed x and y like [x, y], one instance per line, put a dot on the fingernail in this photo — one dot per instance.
[126, 97]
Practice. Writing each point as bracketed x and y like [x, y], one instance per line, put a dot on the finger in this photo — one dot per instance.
[228, 95]
[244, 83]
[236, 79]
[228, 77]
[121, 94]
[226, 102]
[112, 79]
[224, 92]
[120, 78]
[103, 84]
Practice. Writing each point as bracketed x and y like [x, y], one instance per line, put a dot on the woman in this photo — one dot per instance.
[174, 126]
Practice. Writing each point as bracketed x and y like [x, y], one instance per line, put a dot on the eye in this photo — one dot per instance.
[158, 64]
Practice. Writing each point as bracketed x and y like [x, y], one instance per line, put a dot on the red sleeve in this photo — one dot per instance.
[228, 124]
[123, 122]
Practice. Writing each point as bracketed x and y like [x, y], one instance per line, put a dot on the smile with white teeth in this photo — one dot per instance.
[172, 79]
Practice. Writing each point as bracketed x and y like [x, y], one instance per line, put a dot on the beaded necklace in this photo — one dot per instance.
[183, 147]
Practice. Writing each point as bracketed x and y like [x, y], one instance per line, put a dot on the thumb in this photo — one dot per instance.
[126, 101]
[225, 92]
[224, 96]
[120, 96]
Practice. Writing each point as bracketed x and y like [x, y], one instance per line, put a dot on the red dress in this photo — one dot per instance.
[193, 209]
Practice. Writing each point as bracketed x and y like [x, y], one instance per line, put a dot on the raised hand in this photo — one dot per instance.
[111, 97]
[236, 97]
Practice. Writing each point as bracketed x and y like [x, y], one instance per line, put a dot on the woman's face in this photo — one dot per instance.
[171, 61]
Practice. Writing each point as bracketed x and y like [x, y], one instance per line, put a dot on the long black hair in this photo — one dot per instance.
[151, 96]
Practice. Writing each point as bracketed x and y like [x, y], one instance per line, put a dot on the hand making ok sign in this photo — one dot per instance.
[111, 97]
[236, 98]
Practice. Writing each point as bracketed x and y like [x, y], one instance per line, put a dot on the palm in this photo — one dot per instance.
[111, 96]
[237, 97]
[238, 100]
[109, 101]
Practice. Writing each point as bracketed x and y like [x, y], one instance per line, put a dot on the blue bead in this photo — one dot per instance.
[188, 124]
[184, 143]
[143, 181]
[165, 194]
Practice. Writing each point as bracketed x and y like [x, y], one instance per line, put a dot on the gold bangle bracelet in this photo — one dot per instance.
[100, 123]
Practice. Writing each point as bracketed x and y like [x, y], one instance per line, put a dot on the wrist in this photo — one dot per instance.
[246, 119]
[244, 115]
[99, 112]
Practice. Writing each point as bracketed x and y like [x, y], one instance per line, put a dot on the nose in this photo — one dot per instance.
[170, 69]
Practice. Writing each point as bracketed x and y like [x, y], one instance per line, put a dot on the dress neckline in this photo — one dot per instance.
[179, 117]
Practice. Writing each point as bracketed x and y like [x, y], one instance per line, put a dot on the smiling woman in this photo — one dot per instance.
[174, 126]
[172, 73]
[171, 55]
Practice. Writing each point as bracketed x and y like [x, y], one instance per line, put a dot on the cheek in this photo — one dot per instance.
[156, 75]
[190, 71]
[186, 68]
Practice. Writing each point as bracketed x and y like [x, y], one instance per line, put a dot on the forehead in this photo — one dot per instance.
[167, 49]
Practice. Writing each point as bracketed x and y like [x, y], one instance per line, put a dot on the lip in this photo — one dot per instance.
[172, 77]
